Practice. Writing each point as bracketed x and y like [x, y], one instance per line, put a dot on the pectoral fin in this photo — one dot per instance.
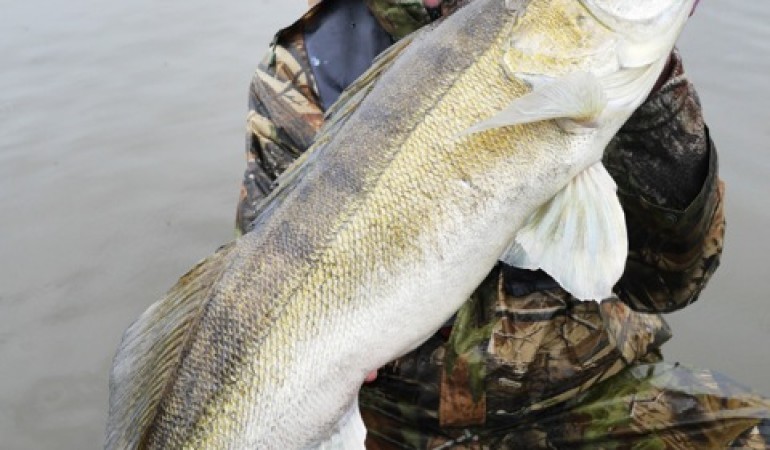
[577, 96]
[578, 237]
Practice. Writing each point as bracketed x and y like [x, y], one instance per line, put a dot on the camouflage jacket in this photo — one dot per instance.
[521, 343]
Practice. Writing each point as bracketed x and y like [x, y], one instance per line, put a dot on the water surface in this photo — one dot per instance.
[121, 151]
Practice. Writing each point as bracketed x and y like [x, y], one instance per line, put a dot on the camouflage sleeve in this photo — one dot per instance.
[399, 17]
[283, 118]
[665, 166]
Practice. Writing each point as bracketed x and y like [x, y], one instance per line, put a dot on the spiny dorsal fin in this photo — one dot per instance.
[151, 349]
[336, 116]
[352, 96]
[578, 237]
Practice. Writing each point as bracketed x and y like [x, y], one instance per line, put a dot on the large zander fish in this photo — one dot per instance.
[477, 139]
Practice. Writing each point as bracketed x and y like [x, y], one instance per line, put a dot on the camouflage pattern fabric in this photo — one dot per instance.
[645, 406]
[665, 166]
[284, 116]
[525, 365]
[399, 17]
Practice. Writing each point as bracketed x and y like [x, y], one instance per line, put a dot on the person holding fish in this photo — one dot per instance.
[523, 364]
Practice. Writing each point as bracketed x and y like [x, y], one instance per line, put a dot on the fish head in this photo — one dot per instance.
[617, 47]
[602, 37]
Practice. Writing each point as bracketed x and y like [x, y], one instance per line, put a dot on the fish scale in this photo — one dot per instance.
[388, 194]
[376, 237]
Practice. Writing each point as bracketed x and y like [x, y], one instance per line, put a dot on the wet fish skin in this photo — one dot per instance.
[393, 219]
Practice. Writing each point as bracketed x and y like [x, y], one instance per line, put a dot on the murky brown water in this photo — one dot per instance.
[121, 140]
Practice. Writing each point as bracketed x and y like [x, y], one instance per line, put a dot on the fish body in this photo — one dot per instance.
[452, 153]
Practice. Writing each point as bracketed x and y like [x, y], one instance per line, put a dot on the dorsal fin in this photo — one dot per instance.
[336, 116]
[150, 351]
[352, 96]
